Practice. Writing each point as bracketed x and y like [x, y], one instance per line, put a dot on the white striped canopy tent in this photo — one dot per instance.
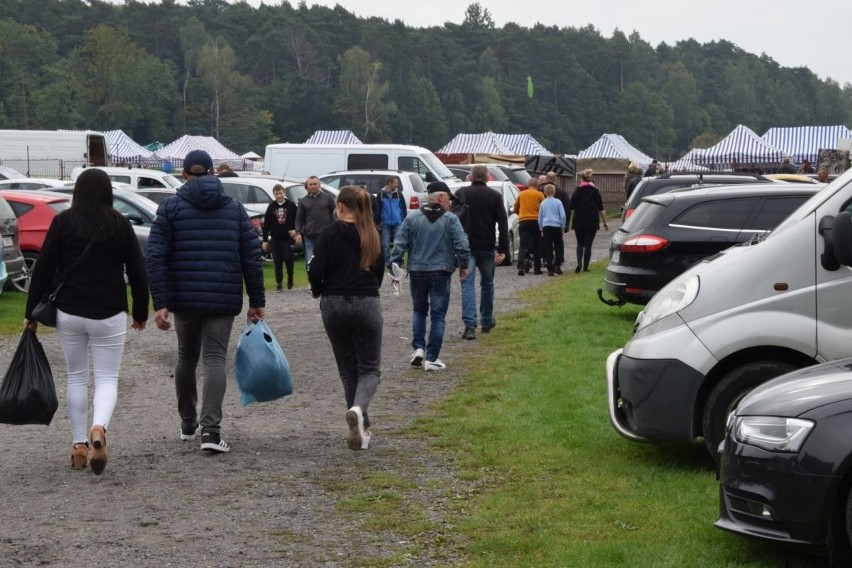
[742, 148]
[615, 146]
[688, 162]
[805, 142]
[122, 146]
[333, 137]
[482, 143]
[178, 149]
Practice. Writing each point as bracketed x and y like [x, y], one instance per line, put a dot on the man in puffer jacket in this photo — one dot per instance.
[201, 249]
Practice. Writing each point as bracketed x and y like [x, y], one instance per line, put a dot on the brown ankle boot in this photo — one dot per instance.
[79, 455]
[98, 455]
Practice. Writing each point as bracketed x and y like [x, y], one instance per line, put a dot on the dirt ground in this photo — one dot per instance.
[272, 500]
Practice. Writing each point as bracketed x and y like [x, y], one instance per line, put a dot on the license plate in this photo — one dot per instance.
[615, 255]
[8, 242]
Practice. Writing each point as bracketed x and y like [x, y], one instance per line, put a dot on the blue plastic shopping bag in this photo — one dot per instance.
[260, 367]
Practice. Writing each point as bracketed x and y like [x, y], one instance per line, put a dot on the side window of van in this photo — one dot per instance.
[149, 182]
[367, 162]
[412, 164]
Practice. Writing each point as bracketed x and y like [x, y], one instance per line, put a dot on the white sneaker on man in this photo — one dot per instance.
[436, 365]
[417, 358]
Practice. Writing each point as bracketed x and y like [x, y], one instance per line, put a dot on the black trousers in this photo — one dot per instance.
[585, 239]
[551, 237]
[530, 244]
[282, 253]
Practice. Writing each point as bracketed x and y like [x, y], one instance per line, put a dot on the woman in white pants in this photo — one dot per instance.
[92, 246]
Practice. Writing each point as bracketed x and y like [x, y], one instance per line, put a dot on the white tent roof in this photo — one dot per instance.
[805, 142]
[185, 144]
[615, 146]
[743, 146]
[492, 143]
[689, 162]
[333, 137]
[122, 146]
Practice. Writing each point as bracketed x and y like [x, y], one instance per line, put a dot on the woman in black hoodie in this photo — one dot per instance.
[346, 272]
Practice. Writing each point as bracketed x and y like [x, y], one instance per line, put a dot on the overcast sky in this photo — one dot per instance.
[809, 34]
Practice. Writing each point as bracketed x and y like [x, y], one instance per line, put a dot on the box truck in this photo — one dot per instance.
[52, 153]
[305, 160]
[734, 321]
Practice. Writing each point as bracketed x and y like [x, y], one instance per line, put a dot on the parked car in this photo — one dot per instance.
[137, 177]
[411, 184]
[31, 183]
[784, 465]
[463, 170]
[155, 194]
[671, 181]
[669, 232]
[13, 258]
[9, 173]
[35, 211]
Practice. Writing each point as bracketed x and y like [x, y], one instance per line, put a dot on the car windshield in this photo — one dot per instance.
[437, 166]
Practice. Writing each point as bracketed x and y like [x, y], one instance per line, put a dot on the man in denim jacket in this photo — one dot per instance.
[436, 244]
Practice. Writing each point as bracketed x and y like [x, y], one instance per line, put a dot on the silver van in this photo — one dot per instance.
[732, 322]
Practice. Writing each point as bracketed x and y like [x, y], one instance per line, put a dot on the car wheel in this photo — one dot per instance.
[509, 259]
[729, 391]
[22, 282]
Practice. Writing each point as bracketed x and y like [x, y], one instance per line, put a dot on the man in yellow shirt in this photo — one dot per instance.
[526, 208]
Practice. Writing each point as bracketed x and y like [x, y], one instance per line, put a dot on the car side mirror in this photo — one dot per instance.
[842, 230]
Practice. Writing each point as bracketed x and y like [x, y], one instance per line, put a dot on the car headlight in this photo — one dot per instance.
[669, 300]
[772, 433]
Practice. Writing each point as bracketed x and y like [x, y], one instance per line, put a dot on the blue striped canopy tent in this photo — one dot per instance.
[689, 162]
[483, 143]
[741, 149]
[333, 137]
[178, 149]
[523, 144]
[122, 146]
[615, 146]
[805, 142]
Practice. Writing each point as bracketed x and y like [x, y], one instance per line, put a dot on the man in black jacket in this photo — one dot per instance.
[484, 208]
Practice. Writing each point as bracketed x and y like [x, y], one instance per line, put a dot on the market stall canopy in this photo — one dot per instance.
[251, 156]
[178, 149]
[122, 146]
[689, 162]
[805, 142]
[742, 148]
[493, 143]
[333, 137]
[615, 146]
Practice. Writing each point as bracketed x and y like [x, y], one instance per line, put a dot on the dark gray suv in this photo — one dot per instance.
[12, 256]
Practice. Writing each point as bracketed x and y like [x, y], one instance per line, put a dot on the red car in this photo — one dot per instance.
[35, 210]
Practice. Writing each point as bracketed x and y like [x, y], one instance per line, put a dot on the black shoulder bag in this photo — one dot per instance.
[45, 310]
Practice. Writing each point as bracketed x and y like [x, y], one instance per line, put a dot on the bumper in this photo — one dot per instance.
[631, 284]
[14, 266]
[762, 495]
[651, 400]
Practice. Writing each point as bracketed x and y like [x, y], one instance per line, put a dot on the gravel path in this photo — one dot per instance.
[272, 500]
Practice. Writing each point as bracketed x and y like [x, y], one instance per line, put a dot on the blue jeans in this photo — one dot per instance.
[308, 244]
[388, 232]
[430, 295]
[484, 261]
[354, 327]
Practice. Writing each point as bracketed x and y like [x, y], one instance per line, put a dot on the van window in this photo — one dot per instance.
[367, 162]
[412, 164]
[725, 214]
[775, 210]
[149, 182]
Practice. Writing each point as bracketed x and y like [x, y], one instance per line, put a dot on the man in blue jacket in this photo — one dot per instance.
[201, 249]
[393, 212]
[436, 244]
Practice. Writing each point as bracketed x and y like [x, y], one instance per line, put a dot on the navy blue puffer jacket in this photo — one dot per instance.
[201, 249]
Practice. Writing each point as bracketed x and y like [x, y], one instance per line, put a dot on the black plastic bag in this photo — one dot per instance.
[27, 394]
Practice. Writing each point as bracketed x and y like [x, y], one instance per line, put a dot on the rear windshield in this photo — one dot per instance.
[642, 217]
[6, 211]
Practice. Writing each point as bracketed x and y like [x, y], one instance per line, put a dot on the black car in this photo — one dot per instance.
[785, 464]
[670, 232]
[676, 180]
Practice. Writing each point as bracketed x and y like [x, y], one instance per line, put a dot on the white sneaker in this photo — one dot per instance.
[365, 440]
[356, 436]
[417, 358]
[436, 365]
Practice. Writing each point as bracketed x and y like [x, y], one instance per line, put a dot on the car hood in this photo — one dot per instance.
[801, 391]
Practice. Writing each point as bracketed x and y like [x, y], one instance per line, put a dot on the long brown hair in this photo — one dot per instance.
[357, 200]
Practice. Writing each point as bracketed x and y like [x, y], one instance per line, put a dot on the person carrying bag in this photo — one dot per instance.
[28, 394]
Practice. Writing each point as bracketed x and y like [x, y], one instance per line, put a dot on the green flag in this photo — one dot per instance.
[529, 87]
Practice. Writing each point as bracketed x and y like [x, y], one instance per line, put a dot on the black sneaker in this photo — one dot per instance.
[488, 328]
[187, 431]
[469, 333]
[213, 443]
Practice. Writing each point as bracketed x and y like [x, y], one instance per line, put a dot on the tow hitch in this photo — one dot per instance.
[617, 303]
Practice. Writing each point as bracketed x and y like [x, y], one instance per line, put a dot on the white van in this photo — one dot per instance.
[51, 153]
[139, 178]
[304, 160]
[732, 322]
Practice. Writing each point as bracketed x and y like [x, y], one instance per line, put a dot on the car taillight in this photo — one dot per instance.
[643, 243]
[628, 214]
[414, 203]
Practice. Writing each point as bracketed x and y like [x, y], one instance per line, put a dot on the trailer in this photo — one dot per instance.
[52, 153]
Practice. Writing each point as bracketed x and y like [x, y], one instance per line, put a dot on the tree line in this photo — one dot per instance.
[251, 76]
